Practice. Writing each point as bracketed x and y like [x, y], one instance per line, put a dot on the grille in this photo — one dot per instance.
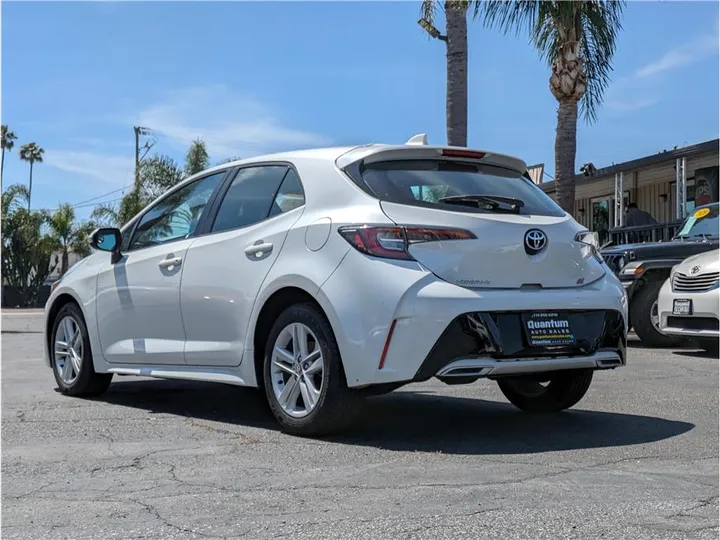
[615, 262]
[698, 283]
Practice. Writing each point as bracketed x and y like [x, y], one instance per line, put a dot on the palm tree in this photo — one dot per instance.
[31, 153]
[455, 39]
[197, 158]
[68, 235]
[577, 38]
[7, 141]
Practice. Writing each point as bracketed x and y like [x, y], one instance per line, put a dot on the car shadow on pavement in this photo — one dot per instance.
[412, 421]
[696, 353]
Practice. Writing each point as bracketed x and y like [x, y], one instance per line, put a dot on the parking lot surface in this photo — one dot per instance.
[637, 458]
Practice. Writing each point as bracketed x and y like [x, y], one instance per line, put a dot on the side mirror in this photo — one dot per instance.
[106, 239]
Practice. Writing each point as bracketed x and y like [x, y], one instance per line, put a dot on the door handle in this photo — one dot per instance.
[168, 263]
[259, 249]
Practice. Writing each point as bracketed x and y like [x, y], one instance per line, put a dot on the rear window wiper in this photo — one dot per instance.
[495, 203]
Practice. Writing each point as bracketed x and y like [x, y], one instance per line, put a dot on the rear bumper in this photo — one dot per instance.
[495, 344]
[487, 367]
[704, 321]
[365, 297]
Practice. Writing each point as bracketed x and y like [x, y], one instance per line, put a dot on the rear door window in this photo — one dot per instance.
[290, 195]
[250, 197]
[426, 182]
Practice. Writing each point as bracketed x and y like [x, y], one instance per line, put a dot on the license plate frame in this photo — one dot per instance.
[548, 329]
[684, 312]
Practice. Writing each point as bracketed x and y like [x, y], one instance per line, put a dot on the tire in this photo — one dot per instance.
[562, 391]
[641, 307]
[335, 405]
[86, 383]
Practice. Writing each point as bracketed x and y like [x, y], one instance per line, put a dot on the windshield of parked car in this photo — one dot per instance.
[457, 186]
[702, 223]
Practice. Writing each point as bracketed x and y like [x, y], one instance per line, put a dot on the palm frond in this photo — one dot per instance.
[14, 196]
[593, 24]
[31, 152]
[7, 138]
[107, 214]
[428, 10]
[601, 23]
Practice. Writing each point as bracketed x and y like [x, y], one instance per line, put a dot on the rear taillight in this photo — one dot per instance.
[394, 242]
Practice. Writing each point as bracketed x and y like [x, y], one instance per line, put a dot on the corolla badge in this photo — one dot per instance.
[694, 269]
[535, 241]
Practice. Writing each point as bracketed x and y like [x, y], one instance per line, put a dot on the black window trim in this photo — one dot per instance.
[214, 210]
[137, 219]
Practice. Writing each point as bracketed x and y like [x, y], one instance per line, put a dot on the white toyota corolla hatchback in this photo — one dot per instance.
[323, 276]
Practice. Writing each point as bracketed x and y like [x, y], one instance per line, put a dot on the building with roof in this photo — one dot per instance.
[667, 185]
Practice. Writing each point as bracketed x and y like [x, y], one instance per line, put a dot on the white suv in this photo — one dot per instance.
[326, 275]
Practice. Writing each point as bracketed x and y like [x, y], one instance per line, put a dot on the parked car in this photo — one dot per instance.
[323, 276]
[689, 300]
[643, 268]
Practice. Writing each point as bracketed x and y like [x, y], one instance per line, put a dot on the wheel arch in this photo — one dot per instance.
[52, 310]
[276, 302]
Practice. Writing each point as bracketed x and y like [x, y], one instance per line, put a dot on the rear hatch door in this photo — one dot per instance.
[523, 239]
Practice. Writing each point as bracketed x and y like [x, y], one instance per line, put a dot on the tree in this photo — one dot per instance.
[27, 248]
[31, 153]
[455, 39]
[197, 158]
[7, 142]
[70, 237]
[157, 174]
[577, 39]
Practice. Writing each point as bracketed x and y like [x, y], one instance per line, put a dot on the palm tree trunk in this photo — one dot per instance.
[457, 59]
[30, 186]
[65, 262]
[565, 149]
[2, 168]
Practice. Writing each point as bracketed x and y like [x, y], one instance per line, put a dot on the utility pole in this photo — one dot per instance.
[139, 130]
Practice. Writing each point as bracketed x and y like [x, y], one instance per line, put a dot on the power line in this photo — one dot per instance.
[98, 203]
[101, 196]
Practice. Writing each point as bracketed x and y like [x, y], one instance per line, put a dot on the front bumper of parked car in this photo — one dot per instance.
[703, 322]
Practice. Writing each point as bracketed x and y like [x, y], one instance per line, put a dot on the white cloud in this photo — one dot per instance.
[685, 54]
[230, 125]
[111, 170]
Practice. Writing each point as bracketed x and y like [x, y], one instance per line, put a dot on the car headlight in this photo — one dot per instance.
[632, 269]
[589, 244]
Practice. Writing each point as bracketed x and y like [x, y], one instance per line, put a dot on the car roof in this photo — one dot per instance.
[358, 152]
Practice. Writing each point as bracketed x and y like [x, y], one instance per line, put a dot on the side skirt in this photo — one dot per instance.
[225, 376]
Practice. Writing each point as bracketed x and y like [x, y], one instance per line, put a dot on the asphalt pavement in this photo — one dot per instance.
[637, 458]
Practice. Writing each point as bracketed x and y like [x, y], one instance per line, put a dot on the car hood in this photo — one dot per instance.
[675, 249]
[706, 262]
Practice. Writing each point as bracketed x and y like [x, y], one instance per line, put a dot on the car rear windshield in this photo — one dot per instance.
[426, 182]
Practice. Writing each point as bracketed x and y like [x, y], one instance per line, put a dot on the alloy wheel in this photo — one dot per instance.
[297, 370]
[655, 316]
[68, 350]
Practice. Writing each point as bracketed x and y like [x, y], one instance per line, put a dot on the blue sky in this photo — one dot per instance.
[256, 77]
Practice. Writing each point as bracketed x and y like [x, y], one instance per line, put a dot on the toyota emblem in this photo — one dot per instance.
[535, 241]
[695, 270]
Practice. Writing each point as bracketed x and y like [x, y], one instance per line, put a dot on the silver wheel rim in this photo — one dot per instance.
[297, 370]
[68, 350]
[655, 316]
